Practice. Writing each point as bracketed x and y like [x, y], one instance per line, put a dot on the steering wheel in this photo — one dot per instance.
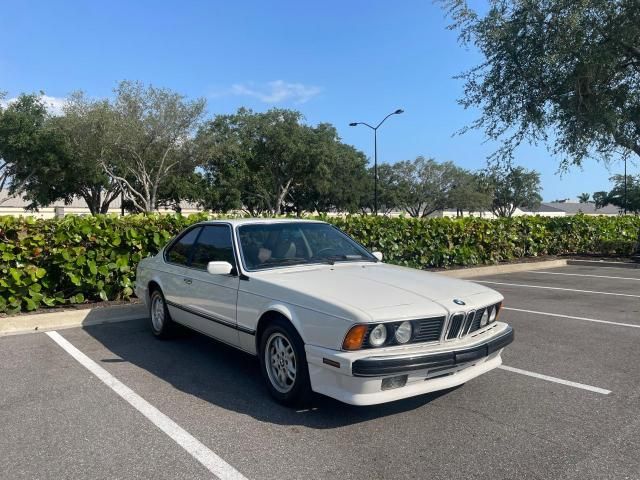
[320, 252]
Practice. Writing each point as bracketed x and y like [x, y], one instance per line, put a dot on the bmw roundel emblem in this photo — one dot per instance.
[457, 301]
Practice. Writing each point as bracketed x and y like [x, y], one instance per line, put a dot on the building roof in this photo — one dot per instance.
[7, 201]
[588, 208]
[543, 207]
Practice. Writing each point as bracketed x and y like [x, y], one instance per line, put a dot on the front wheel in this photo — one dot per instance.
[162, 325]
[283, 363]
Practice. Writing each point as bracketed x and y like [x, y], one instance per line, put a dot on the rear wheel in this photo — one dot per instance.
[283, 363]
[162, 325]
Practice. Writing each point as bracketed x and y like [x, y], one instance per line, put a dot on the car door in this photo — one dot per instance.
[210, 300]
[176, 257]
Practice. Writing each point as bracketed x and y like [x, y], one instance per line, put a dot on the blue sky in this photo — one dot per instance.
[336, 61]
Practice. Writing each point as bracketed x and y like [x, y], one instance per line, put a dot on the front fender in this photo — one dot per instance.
[315, 328]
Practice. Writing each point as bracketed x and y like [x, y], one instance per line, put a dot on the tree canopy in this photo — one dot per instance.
[424, 185]
[87, 127]
[151, 140]
[616, 196]
[151, 147]
[562, 66]
[512, 188]
[265, 161]
[32, 154]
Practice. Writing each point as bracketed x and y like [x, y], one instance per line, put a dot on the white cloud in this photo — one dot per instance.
[54, 104]
[277, 91]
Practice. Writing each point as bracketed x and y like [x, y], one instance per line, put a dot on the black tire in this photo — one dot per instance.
[298, 391]
[166, 328]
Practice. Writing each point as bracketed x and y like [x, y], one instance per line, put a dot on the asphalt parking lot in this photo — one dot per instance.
[567, 406]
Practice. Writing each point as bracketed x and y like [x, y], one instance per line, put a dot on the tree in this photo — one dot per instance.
[31, 153]
[512, 187]
[185, 185]
[600, 199]
[152, 130]
[334, 177]
[555, 65]
[88, 129]
[469, 193]
[424, 185]
[584, 197]
[617, 194]
[388, 191]
[271, 162]
[263, 152]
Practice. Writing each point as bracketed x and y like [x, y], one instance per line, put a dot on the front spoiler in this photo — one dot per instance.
[380, 366]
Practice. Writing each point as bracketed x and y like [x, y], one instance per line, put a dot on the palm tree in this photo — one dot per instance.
[584, 197]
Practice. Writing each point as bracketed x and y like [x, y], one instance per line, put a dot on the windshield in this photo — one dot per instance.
[267, 245]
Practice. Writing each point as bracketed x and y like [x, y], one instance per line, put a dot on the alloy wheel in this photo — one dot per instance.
[280, 362]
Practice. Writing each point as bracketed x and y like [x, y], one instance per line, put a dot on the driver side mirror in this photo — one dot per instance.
[219, 268]
[378, 255]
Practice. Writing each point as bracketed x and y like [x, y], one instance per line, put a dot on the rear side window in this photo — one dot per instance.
[180, 250]
[214, 245]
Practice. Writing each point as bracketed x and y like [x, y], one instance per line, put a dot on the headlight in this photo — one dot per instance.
[485, 317]
[492, 315]
[403, 332]
[378, 335]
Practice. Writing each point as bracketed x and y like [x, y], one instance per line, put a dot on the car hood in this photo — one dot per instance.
[379, 291]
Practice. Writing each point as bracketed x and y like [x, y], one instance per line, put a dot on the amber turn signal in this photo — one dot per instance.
[355, 337]
[498, 310]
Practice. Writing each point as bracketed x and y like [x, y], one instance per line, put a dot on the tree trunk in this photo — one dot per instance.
[283, 191]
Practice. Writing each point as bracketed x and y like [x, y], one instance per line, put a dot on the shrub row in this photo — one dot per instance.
[444, 242]
[78, 259]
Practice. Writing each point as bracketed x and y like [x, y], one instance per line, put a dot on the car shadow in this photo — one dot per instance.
[219, 374]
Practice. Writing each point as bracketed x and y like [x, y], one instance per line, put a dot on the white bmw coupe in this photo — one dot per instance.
[321, 312]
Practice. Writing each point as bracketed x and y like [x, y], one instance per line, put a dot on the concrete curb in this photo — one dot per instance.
[71, 318]
[499, 269]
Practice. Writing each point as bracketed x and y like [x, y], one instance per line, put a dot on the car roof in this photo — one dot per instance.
[256, 221]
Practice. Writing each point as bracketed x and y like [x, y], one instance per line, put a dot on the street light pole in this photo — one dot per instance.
[625, 185]
[375, 171]
[375, 154]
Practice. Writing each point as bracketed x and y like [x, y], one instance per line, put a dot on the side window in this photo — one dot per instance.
[214, 245]
[179, 251]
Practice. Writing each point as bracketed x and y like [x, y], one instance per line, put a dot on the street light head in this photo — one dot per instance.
[399, 111]
[353, 124]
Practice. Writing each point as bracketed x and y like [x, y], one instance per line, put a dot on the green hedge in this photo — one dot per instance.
[444, 242]
[78, 259]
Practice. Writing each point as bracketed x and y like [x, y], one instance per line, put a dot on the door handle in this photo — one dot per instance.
[188, 281]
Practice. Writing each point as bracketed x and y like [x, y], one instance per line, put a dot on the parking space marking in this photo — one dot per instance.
[194, 447]
[556, 380]
[572, 317]
[585, 275]
[557, 288]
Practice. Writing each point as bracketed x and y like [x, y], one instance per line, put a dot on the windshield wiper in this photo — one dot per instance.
[272, 262]
[331, 259]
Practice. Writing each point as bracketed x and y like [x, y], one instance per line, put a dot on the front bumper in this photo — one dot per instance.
[356, 377]
[381, 366]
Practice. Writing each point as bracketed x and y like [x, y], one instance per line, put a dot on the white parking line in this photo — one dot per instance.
[572, 317]
[195, 448]
[584, 275]
[557, 288]
[556, 380]
[602, 266]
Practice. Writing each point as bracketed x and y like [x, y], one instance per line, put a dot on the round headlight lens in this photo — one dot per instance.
[403, 332]
[485, 318]
[492, 315]
[378, 335]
